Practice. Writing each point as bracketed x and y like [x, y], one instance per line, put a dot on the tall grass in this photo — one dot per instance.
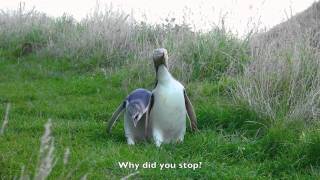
[111, 39]
[283, 80]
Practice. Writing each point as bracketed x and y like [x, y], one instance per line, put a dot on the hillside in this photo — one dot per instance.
[282, 80]
[303, 26]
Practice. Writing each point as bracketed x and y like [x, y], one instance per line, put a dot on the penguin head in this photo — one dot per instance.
[160, 57]
[135, 112]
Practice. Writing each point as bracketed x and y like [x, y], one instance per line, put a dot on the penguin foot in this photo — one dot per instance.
[180, 140]
[130, 141]
[158, 143]
[157, 137]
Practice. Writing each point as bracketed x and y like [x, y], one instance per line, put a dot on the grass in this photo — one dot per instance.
[282, 80]
[228, 145]
[76, 75]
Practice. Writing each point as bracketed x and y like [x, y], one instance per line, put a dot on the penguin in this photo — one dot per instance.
[170, 104]
[136, 106]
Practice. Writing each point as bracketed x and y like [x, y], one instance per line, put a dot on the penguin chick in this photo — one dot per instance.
[136, 106]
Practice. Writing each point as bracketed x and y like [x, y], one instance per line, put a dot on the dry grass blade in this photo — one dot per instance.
[130, 175]
[6, 119]
[46, 156]
[66, 156]
[84, 177]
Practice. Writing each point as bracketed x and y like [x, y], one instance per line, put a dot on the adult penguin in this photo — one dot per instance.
[169, 104]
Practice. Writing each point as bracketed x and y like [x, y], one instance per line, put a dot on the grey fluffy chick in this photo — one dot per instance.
[136, 106]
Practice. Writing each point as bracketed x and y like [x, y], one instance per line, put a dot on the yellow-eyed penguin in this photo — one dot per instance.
[169, 104]
[136, 107]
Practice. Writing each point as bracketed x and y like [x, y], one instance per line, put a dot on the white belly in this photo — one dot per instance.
[168, 114]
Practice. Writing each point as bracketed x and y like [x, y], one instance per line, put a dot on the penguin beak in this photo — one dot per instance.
[135, 120]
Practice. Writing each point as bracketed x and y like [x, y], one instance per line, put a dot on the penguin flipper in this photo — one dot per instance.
[190, 112]
[115, 116]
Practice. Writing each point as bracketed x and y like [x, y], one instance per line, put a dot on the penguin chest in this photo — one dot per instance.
[136, 133]
[169, 113]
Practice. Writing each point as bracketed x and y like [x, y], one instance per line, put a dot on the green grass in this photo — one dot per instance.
[233, 142]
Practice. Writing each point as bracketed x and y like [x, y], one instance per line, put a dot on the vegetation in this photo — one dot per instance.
[257, 113]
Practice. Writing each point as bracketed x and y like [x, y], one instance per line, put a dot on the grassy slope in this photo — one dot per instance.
[79, 102]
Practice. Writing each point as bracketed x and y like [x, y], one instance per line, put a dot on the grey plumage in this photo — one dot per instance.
[136, 106]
